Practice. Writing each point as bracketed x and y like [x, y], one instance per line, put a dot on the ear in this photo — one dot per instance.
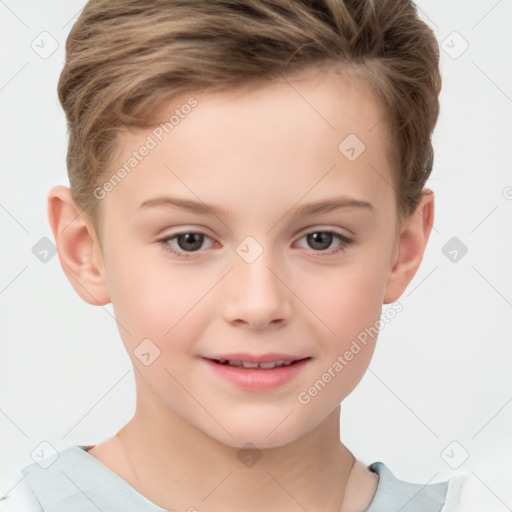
[412, 241]
[77, 244]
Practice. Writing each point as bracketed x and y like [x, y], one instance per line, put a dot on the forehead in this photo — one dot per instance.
[297, 138]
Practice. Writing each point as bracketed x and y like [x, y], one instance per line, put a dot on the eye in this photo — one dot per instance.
[321, 240]
[190, 241]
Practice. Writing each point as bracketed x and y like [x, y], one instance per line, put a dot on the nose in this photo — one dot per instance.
[258, 294]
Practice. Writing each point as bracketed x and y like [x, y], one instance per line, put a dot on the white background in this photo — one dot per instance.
[442, 370]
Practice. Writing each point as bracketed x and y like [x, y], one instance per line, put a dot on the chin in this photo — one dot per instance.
[261, 434]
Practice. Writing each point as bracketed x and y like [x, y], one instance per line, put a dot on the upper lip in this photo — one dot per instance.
[255, 358]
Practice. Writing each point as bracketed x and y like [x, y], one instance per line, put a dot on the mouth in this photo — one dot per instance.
[257, 372]
[257, 362]
[252, 365]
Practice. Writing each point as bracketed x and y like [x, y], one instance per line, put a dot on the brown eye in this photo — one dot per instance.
[187, 242]
[320, 241]
[190, 241]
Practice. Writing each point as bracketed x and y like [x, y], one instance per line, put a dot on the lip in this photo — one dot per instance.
[255, 358]
[257, 379]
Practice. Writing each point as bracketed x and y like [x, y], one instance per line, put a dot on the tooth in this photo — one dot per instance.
[279, 363]
[272, 364]
[235, 363]
[250, 365]
[288, 363]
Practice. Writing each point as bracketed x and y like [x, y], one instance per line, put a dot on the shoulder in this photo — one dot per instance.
[412, 497]
[20, 499]
[71, 480]
[38, 480]
[461, 493]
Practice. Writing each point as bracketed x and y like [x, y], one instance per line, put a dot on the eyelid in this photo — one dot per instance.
[319, 228]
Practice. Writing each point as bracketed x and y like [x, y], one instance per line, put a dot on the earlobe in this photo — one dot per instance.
[412, 243]
[78, 247]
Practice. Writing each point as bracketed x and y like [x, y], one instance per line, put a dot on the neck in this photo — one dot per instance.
[179, 467]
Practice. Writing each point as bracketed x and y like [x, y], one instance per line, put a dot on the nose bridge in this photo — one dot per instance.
[256, 264]
[257, 295]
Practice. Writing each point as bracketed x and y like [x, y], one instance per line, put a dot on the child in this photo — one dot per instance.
[256, 131]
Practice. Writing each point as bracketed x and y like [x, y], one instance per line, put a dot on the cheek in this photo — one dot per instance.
[348, 300]
[351, 307]
[158, 300]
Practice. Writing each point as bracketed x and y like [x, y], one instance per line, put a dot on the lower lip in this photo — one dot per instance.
[258, 379]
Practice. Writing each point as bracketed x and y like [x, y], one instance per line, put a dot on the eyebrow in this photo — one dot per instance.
[306, 209]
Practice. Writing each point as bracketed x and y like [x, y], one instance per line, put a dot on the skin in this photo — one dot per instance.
[241, 150]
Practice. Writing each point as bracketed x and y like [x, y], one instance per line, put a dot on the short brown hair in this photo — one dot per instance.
[124, 58]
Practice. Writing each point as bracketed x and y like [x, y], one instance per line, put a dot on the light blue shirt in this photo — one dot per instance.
[79, 482]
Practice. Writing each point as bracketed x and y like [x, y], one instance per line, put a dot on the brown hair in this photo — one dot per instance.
[124, 58]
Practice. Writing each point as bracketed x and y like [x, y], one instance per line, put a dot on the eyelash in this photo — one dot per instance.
[345, 241]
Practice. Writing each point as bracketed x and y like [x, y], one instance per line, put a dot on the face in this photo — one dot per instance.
[253, 228]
